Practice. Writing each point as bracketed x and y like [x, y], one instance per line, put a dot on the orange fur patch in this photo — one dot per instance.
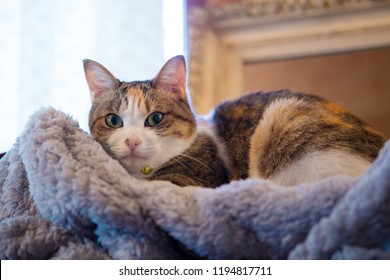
[139, 98]
[237, 112]
[334, 120]
[335, 108]
[373, 131]
[279, 116]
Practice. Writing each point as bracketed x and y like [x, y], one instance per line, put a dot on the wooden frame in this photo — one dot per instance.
[224, 38]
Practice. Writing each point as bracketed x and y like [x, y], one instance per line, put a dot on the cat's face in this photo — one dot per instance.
[142, 124]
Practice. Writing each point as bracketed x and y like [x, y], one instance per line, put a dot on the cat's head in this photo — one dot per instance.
[142, 124]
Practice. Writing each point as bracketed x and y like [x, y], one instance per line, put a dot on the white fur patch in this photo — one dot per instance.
[321, 164]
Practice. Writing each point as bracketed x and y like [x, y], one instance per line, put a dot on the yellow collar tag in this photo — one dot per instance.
[146, 170]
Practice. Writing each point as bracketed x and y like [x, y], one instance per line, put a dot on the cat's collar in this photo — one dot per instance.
[146, 170]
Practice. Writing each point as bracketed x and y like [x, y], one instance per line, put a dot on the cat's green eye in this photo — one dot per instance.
[154, 119]
[114, 121]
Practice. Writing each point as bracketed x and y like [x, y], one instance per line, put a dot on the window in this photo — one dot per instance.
[43, 42]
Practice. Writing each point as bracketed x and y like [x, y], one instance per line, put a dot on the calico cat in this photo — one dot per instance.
[285, 136]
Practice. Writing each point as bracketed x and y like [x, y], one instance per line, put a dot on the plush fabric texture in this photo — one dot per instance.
[63, 197]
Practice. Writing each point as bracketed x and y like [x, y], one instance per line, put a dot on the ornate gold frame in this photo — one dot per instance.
[224, 38]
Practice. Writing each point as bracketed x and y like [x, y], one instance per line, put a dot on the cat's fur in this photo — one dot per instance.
[293, 137]
[284, 136]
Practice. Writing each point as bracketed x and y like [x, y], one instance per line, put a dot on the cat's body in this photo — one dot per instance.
[284, 136]
[199, 165]
[290, 137]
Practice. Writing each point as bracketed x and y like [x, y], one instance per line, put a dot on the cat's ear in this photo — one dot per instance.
[173, 76]
[99, 79]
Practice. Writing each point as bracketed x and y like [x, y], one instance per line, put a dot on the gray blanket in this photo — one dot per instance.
[63, 197]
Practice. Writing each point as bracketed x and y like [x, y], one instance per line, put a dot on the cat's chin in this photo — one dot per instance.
[134, 164]
[137, 174]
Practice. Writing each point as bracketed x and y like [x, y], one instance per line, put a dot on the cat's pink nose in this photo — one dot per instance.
[133, 143]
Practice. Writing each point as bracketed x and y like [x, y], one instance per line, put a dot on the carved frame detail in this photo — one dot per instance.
[222, 39]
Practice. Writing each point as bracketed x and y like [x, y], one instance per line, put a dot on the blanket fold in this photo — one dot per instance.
[63, 197]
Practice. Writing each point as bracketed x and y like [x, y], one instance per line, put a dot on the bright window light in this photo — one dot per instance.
[173, 17]
[42, 44]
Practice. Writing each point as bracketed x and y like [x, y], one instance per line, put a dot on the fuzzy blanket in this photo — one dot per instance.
[63, 197]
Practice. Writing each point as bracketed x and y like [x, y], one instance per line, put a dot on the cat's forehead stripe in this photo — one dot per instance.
[136, 97]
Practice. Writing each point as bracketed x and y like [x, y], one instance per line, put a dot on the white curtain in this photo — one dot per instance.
[43, 42]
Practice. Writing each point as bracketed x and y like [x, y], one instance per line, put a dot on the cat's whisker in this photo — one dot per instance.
[182, 164]
[199, 161]
[208, 149]
[213, 152]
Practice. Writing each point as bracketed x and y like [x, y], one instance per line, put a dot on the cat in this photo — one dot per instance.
[285, 136]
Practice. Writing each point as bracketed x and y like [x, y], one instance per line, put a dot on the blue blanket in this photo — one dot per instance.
[63, 197]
